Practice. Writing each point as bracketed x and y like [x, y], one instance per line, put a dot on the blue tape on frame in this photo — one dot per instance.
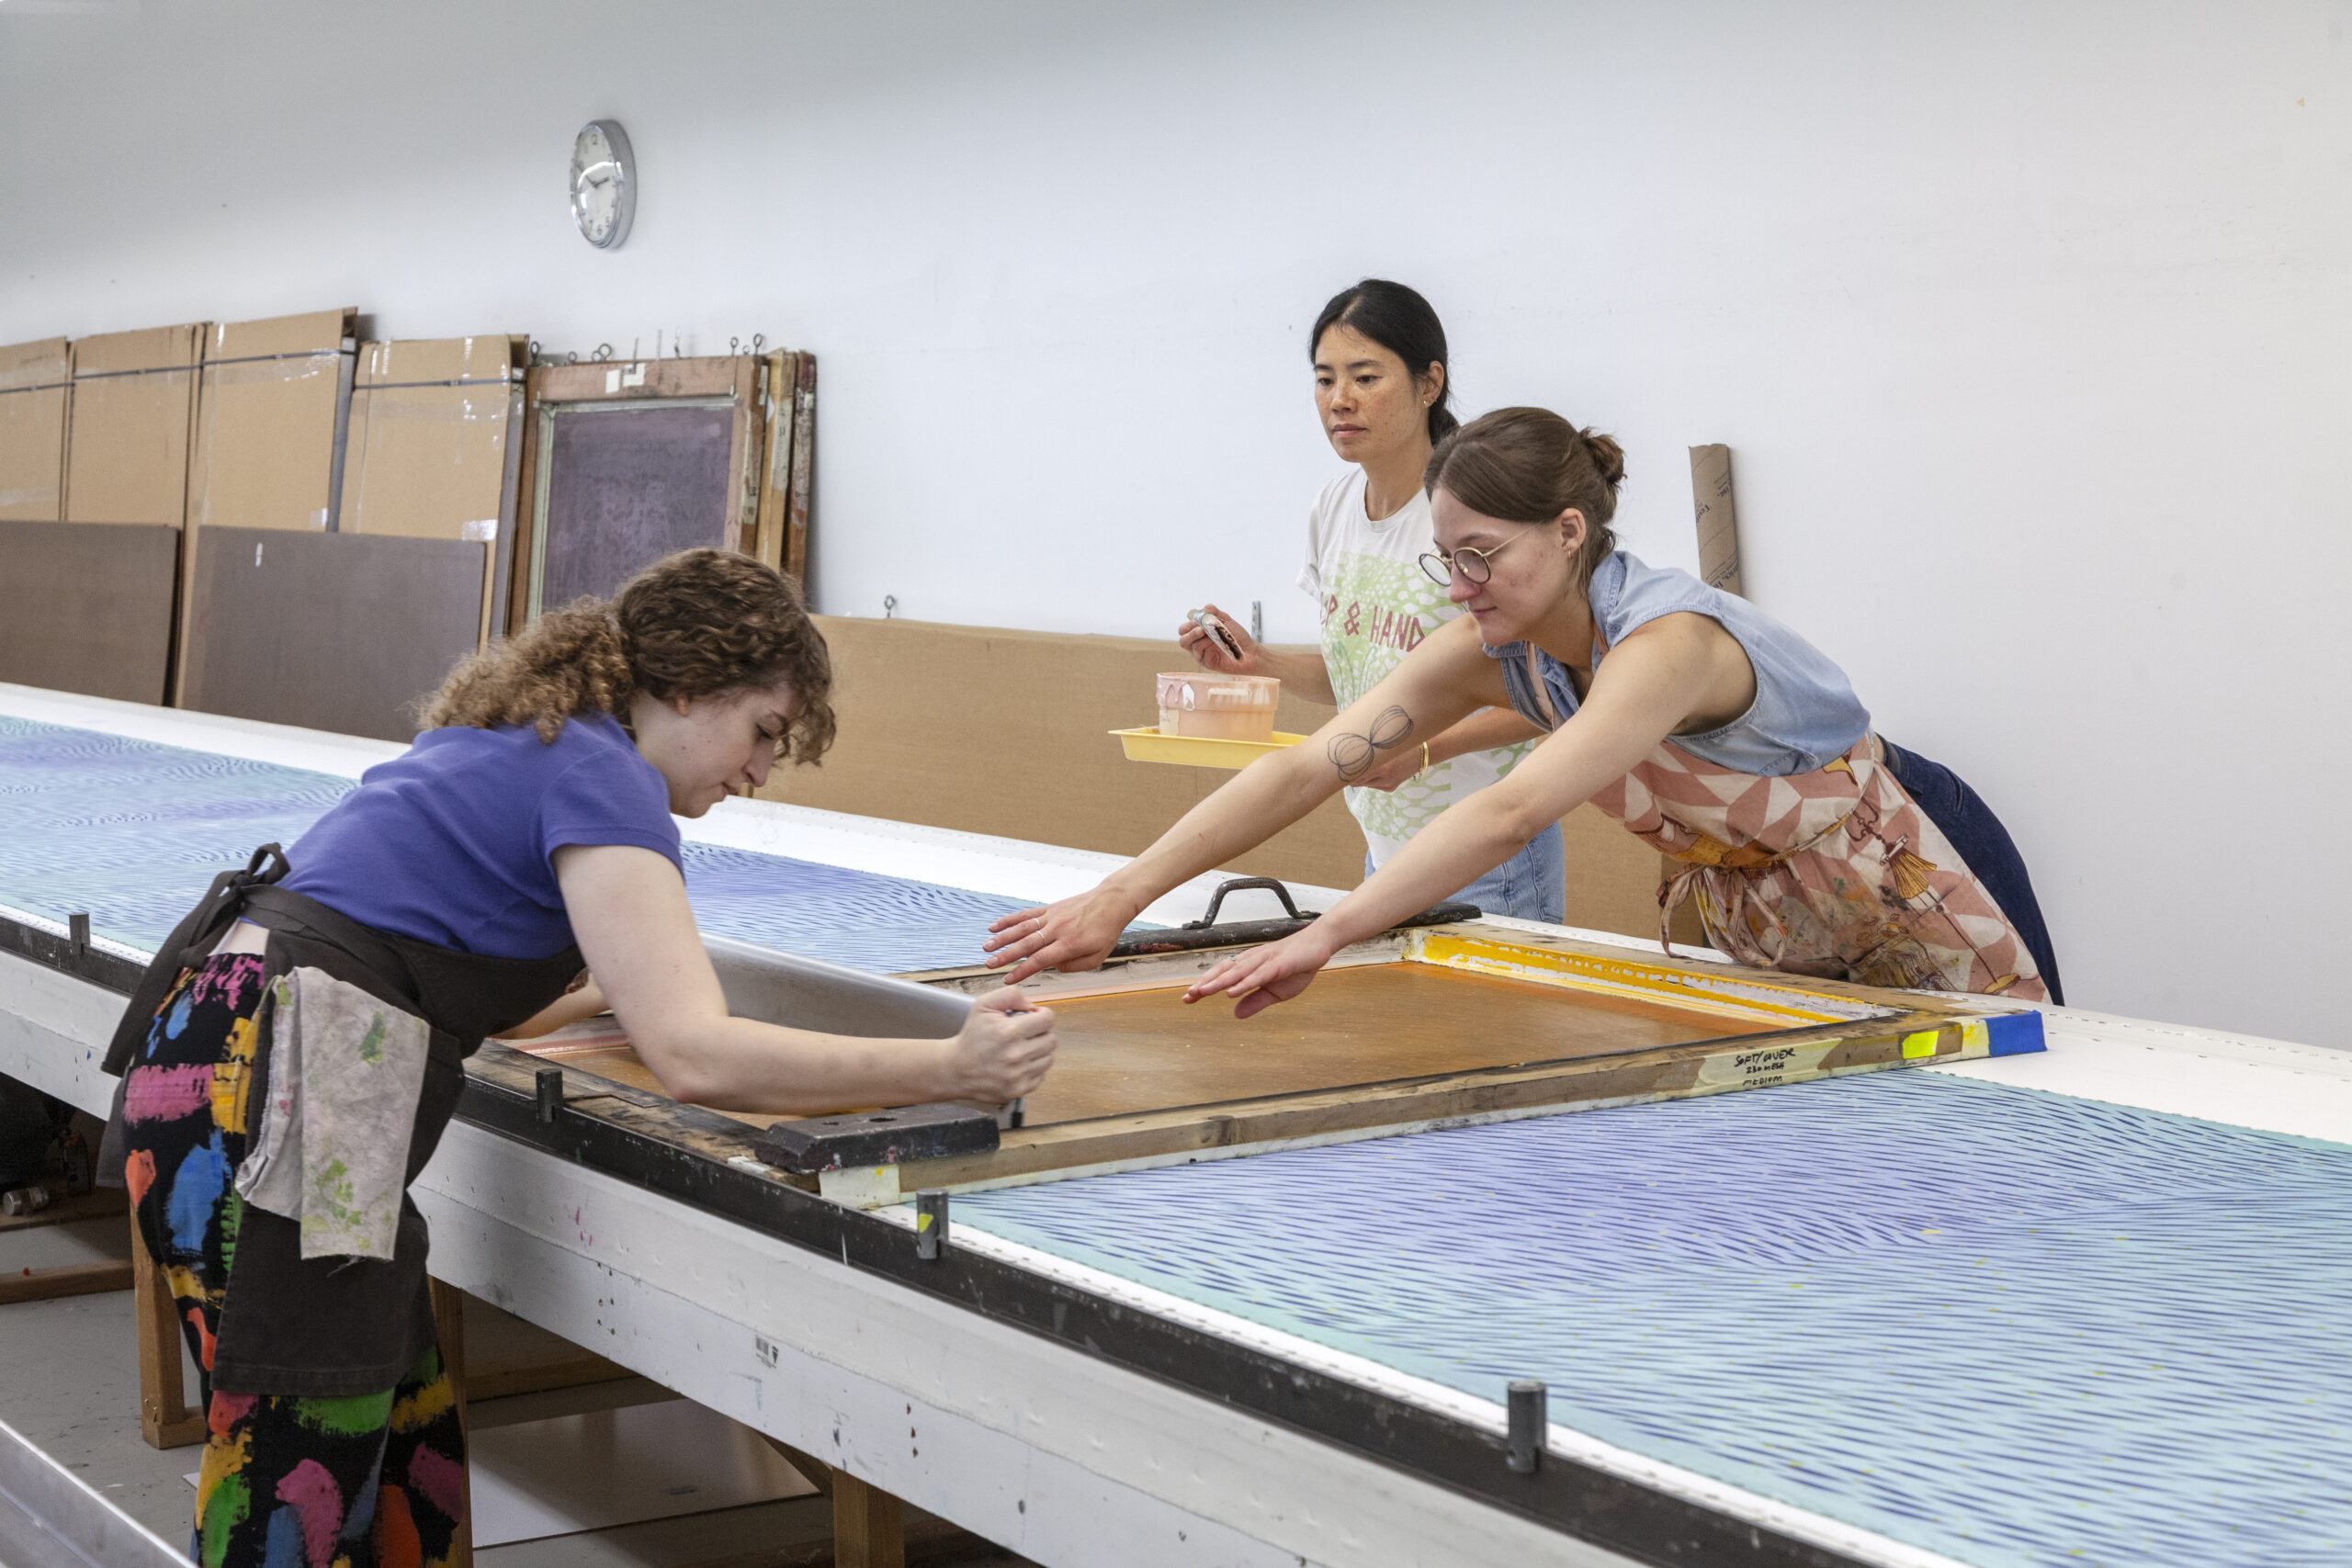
[2013, 1034]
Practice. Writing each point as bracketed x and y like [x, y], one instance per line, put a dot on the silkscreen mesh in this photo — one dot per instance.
[133, 832]
[2010, 1326]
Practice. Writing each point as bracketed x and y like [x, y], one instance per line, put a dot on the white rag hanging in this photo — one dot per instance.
[345, 1069]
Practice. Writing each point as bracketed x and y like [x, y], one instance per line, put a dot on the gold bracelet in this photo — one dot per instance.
[1425, 763]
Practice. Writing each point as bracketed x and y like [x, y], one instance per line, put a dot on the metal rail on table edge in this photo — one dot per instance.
[1581, 1500]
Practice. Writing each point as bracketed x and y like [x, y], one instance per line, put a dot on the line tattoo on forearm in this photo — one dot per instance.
[1356, 755]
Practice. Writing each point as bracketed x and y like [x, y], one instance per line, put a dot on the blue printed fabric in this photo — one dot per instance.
[133, 832]
[2007, 1326]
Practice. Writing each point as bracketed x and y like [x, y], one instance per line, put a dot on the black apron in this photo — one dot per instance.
[329, 1326]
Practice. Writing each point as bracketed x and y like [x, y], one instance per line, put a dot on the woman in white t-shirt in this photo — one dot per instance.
[1380, 386]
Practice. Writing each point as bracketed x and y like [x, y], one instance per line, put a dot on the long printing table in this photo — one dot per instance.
[2080, 1305]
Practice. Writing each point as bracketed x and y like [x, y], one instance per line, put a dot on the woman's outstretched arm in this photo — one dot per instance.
[629, 913]
[1649, 688]
[1447, 677]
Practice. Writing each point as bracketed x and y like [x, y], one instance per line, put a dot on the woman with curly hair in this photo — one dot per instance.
[294, 1052]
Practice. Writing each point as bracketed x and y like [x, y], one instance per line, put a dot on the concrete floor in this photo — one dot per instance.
[69, 1384]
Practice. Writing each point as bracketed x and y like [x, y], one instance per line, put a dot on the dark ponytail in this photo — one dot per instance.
[1400, 320]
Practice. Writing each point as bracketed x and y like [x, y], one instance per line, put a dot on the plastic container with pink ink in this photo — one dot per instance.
[1197, 705]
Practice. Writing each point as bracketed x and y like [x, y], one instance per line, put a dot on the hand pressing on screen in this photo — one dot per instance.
[1003, 1049]
[1075, 934]
[1261, 976]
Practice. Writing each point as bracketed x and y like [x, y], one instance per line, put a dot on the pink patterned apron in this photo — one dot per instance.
[1836, 873]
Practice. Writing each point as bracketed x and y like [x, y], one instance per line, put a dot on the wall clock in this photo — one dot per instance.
[603, 184]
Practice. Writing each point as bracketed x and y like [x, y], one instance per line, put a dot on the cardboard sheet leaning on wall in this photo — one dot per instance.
[270, 421]
[130, 425]
[926, 737]
[341, 617]
[270, 416]
[33, 431]
[434, 450]
[93, 570]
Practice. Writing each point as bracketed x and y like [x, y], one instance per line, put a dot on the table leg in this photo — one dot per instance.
[869, 1525]
[164, 1418]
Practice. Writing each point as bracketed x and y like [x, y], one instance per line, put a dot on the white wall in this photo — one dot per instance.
[2027, 324]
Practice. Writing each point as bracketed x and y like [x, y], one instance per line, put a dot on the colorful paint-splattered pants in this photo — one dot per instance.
[286, 1481]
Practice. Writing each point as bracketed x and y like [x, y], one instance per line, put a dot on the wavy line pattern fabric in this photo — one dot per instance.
[133, 832]
[2010, 1326]
[885, 924]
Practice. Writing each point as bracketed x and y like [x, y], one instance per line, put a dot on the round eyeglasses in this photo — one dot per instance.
[1470, 561]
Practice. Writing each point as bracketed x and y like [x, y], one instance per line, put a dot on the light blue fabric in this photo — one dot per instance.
[1531, 885]
[1805, 712]
[2011, 1327]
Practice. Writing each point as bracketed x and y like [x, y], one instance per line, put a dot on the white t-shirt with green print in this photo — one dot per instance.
[1377, 606]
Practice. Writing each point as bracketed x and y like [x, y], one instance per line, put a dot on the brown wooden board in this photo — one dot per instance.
[800, 509]
[89, 607]
[341, 632]
[925, 736]
[779, 373]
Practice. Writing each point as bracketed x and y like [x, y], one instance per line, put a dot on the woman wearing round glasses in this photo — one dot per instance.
[1380, 387]
[1707, 727]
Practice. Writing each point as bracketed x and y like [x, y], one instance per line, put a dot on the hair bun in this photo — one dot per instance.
[1607, 457]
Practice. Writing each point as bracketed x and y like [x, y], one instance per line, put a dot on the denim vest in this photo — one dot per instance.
[1805, 712]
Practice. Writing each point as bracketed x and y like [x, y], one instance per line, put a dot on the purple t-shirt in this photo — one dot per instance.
[450, 842]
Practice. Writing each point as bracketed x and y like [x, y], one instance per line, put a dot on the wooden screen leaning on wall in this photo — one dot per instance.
[626, 461]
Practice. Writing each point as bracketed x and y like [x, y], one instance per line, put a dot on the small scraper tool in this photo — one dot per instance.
[1208, 622]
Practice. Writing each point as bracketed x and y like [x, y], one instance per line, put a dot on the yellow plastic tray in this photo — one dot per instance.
[1147, 745]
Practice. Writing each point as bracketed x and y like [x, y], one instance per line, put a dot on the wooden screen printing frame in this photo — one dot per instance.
[771, 455]
[1784, 1028]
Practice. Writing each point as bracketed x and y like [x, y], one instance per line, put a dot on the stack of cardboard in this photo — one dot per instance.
[435, 450]
[93, 558]
[350, 510]
[33, 431]
[270, 520]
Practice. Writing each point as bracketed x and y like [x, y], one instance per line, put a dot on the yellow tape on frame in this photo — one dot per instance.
[1737, 997]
